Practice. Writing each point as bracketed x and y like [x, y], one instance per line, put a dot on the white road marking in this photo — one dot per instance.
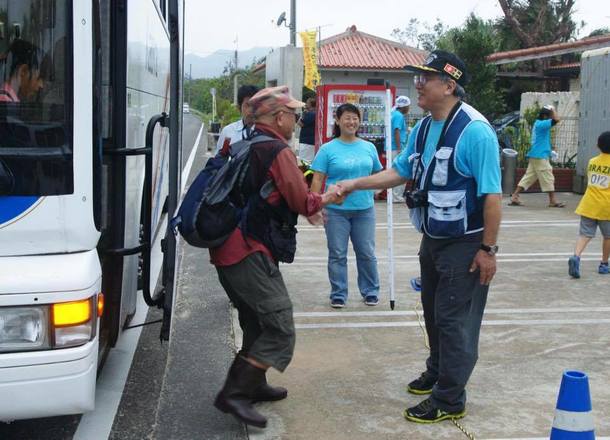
[487, 312]
[189, 163]
[505, 224]
[499, 322]
[541, 438]
[414, 261]
[500, 255]
[97, 424]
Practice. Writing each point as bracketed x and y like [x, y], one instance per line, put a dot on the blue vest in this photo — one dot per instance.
[453, 209]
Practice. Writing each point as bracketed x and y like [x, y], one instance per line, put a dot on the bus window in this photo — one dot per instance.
[35, 98]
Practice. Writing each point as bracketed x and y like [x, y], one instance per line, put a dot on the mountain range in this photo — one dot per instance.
[212, 65]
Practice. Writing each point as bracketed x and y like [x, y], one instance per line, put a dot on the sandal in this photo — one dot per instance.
[515, 203]
[557, 205]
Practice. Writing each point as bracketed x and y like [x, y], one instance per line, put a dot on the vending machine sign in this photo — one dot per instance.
[370, 100]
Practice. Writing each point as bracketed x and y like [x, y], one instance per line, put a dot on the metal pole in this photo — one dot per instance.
[235, 76]
[389, 195]
[175, 142]
[293, 22]
[235, 73]
[190, 81]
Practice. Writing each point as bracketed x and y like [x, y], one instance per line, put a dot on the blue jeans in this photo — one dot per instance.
[360, 227]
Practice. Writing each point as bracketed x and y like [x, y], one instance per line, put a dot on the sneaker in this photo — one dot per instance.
[427, 412]
[422, 385]
[574, 266]
[337, 303]
[371, 300]
[603, 268]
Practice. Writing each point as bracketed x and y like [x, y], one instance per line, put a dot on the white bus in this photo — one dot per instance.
[89, 167]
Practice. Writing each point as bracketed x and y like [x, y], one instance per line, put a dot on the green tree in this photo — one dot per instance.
[198, 92]
[599, 32]
[472, 42]
[420, 34]
[530, 23]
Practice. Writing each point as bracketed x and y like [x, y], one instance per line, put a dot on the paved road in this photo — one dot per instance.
[351, 367]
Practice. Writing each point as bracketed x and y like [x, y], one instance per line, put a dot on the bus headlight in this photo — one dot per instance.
[59, 325]
[74, 322]
[24, 328]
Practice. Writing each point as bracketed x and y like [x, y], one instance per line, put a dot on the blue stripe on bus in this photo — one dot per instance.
[14, 206]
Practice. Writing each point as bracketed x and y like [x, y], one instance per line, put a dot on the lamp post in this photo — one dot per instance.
[293, 22]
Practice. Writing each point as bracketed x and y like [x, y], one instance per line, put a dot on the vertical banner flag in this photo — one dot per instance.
[310, 59]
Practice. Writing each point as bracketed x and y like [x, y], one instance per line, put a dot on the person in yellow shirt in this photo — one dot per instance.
[594, 208]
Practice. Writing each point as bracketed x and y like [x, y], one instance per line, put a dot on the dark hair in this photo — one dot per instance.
[247, 91]
[544, 113]
[344, 108]
[603, 142]
[311, 101]
[22, 52]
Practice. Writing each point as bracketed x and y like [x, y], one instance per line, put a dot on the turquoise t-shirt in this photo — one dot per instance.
[477, 155]
[541, 139]
[340, 160]
[398, 122]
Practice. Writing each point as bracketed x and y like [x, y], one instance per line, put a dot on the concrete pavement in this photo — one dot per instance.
[351, 366]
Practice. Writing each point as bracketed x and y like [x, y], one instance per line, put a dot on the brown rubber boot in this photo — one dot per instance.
[236, 395]
[267, 393]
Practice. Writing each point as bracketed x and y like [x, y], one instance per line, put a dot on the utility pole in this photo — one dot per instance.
[293, 22]
[235, 74]
[190, 81]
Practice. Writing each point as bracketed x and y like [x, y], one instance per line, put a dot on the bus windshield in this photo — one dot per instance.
[35, 98]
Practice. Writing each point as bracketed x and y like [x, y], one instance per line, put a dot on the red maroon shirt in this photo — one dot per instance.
[8, 93]
[290, 186]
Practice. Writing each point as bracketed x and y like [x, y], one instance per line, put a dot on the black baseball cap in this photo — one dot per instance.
[440, 61]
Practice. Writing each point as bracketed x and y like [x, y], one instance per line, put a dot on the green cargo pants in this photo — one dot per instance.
[256, 287]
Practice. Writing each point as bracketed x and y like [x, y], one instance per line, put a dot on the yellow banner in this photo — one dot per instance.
[310, 59]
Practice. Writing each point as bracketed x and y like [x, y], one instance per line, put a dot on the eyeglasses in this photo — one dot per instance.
[423, 79]
[297, 116]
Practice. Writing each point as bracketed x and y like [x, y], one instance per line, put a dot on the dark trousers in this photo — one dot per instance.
[256, 288]
[453, 301]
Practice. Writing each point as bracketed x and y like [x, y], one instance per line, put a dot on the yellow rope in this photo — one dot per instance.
[420, 320]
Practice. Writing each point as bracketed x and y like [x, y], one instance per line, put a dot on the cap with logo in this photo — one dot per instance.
[440, 61]
[402, 101]
[272, 99]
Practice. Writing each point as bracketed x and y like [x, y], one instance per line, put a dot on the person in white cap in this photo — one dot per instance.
[399, 138]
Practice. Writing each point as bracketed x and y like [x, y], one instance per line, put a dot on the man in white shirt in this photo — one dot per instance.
[238, 130]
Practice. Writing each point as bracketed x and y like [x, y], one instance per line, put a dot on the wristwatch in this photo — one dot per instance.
[491, 250]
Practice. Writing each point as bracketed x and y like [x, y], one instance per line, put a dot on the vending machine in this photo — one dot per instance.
[371, 100]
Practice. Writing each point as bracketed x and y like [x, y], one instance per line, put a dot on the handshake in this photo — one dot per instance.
[336, 193]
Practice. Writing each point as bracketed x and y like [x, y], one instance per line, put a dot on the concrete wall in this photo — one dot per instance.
[284, 66]
[567, 105]
[403, 82]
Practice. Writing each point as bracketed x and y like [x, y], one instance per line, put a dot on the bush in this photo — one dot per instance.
[520, 139]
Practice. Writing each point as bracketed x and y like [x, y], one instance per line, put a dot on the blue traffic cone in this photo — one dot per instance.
[573, 418]
[416, 284]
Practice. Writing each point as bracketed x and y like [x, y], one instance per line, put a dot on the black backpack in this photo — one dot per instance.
[213, 205]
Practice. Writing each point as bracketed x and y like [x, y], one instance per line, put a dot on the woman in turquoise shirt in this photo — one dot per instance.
[348, 157]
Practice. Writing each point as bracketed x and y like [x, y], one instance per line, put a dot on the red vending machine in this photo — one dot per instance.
[371, 100]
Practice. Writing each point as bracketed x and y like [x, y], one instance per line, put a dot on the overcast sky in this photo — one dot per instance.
[216, 24]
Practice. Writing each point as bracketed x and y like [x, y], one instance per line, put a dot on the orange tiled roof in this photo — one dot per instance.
[564, 66]
[541, 50]
[357, 50]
